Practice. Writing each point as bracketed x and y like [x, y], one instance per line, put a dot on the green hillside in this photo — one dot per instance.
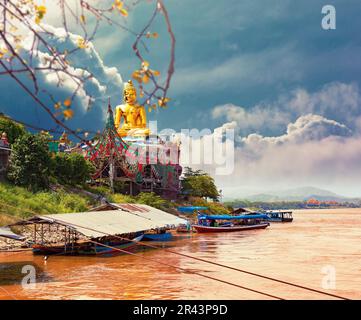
[18, 202]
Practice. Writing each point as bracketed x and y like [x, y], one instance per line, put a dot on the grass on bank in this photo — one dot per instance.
[18, 202]
[156, 201]
[150, 199]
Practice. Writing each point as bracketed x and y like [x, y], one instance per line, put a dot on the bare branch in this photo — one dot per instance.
[20, 19]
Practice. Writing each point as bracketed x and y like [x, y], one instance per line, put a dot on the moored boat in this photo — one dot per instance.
[229, 223]
[161, 236]
[90, 248]
[185, 228]
[207, 229]
[279, 216]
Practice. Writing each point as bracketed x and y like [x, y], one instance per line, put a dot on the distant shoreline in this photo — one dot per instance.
[335, 210]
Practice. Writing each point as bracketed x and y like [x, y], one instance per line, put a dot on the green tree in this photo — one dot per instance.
[12, 129]
[199, 184]
[30, 162]
[151, 199]
[71, 169]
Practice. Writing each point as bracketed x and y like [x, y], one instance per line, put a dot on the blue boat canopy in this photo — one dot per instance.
[191, 209]
[228, 217]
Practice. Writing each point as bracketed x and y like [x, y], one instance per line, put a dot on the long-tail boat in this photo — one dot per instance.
[279, 216]
[158, 235]
[229, 223]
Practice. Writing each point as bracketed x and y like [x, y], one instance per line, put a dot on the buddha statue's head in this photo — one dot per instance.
[129, 93]
[4, 137]
[64, 138]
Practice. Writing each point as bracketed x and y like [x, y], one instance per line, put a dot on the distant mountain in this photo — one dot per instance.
[300, 194]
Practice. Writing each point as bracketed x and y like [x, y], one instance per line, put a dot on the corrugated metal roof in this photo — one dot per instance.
[159, 217]
[7, 233]
[101, 223]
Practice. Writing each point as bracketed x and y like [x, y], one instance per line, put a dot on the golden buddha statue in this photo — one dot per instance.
[130, 117]
[4, 139]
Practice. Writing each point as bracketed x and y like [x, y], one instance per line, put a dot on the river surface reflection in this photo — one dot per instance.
[299, 252]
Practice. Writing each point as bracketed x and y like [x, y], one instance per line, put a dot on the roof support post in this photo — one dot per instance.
[42, 233]
[35, 232]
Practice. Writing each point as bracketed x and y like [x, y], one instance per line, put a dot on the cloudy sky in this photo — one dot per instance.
[288, 88]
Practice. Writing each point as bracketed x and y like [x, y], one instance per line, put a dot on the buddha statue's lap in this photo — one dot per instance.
[130, 117]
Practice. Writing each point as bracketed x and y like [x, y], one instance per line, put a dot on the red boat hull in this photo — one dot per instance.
[207, 229]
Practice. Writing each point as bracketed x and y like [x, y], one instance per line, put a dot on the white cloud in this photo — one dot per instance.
[108, 37]
[314, 127]
[333, 161]
[314, 151]
[305, 129]
[254, 119]
[338, 101]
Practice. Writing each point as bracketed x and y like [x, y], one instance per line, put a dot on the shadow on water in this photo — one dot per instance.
[138, 249]
[14, 272]
[152, 246]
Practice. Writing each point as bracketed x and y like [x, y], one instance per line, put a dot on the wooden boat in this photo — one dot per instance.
[208, 229]
[279, 216]
[184, 228]
[87, 248]
[208, 223]
[165, 236]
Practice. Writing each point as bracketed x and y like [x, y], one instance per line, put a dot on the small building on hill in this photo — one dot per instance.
[238, 211]
[313, 203]
[4, 155]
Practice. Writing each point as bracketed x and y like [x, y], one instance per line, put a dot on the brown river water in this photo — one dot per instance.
[299, 252]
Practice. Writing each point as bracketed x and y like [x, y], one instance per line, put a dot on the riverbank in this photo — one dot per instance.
[18, 203]
[28, 233]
